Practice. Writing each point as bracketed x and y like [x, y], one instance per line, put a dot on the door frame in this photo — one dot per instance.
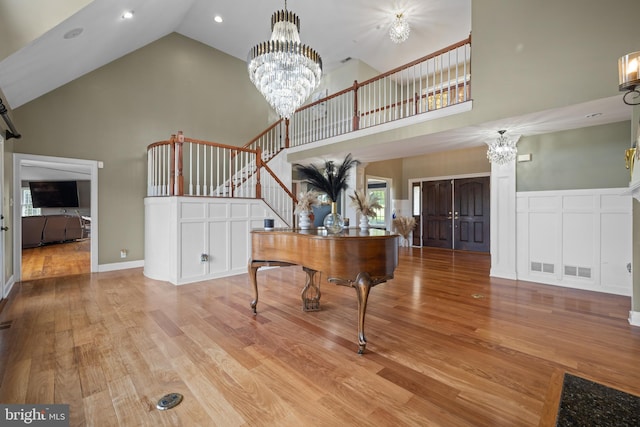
[389, 197]
[90, 166]
[5, 286]
[437, 178]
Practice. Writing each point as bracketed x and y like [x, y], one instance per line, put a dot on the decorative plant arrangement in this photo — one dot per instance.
[306, 201]
[404, 226]
[332, 180]
[366, 206]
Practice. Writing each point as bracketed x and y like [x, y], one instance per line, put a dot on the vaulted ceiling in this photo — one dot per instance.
[337, 29]
[48, 44]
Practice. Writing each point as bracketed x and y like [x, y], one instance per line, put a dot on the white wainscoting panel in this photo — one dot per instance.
[190, 239]
[575, 238]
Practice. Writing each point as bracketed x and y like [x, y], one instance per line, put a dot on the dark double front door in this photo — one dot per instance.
[455, 214]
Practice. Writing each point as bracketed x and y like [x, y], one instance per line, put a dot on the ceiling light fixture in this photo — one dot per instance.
[217, 18]
[128, 14]
[629, 77]
[400, 29]
[503, 150]
[283, 69]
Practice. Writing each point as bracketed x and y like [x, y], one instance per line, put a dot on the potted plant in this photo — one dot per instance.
[366, 206]
[331, 180]
[306, 200]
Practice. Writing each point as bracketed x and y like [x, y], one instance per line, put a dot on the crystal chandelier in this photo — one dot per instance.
[503, 150]
[399, 30]
[283, 69]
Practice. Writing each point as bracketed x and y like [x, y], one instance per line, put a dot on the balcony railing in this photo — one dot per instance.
[430, 83]
[189, 167]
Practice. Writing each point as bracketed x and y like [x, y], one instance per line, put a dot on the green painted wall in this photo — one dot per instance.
[115, 112]
[591, 157]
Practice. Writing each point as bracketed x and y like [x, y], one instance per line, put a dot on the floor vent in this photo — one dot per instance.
[571, 270]
[6, 324]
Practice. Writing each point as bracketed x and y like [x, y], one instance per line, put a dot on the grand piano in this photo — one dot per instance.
[355, 258]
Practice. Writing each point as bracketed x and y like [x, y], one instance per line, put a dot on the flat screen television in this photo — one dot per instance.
[54, 194]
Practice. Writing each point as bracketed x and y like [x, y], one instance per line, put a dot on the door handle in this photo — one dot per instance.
[449, 217]
[4, 228]
[456, 215]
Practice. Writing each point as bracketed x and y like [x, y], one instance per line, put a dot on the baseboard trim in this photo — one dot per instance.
[12, 291]
[120, 266]
[634, 318]
[503, 274]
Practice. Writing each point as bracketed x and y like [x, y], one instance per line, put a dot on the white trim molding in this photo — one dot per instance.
[120, 266]
[634, 318]
[503, 221]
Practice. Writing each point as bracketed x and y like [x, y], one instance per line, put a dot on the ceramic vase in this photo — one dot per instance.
[364, 222]
[305, 220]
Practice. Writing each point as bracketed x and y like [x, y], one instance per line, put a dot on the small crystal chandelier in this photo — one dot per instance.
[399, 30]
[503, 150]
[283, 69]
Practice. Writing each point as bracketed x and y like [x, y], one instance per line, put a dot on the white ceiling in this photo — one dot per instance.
[336, 29]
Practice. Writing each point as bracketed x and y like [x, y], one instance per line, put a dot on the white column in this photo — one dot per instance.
[503, 220]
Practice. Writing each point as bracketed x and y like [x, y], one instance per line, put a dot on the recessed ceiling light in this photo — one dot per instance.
[128, 14]
[72, 34]
[217, 18]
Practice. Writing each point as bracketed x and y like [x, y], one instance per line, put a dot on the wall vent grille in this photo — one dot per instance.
[542, 267]
[572, 270]
[584, 272]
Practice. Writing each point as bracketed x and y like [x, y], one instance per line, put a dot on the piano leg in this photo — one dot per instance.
[253, 270]
[363, 284]
[253, 267]
[311, 292]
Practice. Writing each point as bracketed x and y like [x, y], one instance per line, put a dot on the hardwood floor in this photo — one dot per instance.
[447, 346]
[61, 259]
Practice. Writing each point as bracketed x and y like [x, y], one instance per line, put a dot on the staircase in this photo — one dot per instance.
[189, 167]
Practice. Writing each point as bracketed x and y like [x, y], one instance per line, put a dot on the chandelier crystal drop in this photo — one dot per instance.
[400, 29]
[503, 150]
[283, 69]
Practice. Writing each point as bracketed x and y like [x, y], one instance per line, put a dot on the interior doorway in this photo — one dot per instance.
[454, 213]
[29, 168]
[380, 188]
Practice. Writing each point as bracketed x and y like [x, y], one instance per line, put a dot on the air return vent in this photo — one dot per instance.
[572, 270]
[542, 267]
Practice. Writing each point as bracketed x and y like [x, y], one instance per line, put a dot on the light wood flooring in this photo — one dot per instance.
[447, 346]
[62, 259]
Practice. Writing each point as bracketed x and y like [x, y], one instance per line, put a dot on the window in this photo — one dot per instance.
[379, 220]
[26, 204]
[415, 211]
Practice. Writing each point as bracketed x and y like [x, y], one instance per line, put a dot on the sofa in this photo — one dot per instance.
[44, 229]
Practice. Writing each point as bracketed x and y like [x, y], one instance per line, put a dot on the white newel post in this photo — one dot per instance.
[503, 220]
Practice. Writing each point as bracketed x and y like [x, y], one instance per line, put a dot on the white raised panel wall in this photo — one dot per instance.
[578, 239]
[179, 230]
